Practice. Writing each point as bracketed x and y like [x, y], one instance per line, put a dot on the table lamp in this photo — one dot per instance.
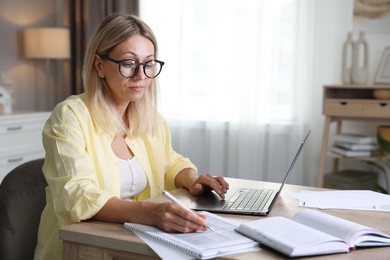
[46, 43]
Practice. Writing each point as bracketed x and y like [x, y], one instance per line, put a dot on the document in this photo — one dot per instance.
[344, 199]
[351, 153]
[311, 232]
[204, 245]
[354, 138]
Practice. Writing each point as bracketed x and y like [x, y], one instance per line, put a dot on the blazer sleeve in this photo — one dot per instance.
[176, 161]
[74, 186]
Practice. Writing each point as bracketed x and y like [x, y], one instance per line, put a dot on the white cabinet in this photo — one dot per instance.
[20, 139]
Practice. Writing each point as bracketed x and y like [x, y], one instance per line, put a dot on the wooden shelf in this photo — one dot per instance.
[357, 101]
[349, 102]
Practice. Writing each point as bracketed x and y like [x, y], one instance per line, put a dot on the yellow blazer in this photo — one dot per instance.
[82, 171]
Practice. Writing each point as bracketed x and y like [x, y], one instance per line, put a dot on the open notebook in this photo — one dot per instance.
[247, 201]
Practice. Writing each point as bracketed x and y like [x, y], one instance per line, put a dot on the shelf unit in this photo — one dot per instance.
[20, 139]
[349, 102]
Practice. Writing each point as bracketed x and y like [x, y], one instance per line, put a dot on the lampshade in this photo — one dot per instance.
[46, 43]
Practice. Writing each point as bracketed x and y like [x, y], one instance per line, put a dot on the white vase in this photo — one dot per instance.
[347, 59]
[360, 61]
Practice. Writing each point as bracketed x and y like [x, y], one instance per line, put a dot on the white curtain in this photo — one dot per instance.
[235, 87]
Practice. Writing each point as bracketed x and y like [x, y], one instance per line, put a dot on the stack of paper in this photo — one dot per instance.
[344, 199]
[354, 145]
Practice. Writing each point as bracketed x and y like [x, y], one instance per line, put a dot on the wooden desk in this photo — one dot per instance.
[100, 240]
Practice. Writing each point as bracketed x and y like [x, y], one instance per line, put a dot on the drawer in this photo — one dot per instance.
[379, 109]
[22, 129]
[17, 127]
[20, 139]
[343, 108]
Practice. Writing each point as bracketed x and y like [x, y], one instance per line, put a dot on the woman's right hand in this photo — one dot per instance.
[171, 217]
[168, 216]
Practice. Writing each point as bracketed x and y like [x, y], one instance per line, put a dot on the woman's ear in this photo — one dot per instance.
[98, 66]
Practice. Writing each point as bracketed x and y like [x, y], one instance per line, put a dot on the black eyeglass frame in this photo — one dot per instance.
[138, 64]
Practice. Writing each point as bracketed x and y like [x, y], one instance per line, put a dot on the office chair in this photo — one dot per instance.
[22, 199]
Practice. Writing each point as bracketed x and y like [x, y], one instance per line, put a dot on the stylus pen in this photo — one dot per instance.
[178, 202]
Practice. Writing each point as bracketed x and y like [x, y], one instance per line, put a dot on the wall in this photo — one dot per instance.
[29, 77]
[39, 84]
[334, 19]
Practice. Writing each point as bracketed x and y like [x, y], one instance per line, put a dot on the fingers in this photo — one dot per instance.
[208, 181]
[223, 183]
[176, 219]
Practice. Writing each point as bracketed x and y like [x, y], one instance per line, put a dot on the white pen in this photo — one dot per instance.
[173, 199]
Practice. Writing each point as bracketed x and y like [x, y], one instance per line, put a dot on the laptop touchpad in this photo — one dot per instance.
[210, 200]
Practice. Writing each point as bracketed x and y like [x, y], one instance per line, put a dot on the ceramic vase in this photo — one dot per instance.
[347, 59]
[360, 60]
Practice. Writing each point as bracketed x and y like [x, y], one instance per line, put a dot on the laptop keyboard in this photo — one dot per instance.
[249, 199]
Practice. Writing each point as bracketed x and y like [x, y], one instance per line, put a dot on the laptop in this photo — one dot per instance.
[244, 201]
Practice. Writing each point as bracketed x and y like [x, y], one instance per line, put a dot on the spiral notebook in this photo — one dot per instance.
[203, 245]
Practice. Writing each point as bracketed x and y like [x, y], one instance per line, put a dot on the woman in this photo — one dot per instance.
[108, 149]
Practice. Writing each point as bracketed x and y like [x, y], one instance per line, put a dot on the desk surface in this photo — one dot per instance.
[110, 240]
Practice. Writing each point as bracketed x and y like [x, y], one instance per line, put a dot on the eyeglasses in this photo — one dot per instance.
[129, 68]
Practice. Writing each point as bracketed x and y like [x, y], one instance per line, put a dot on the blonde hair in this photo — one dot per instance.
[142, 115]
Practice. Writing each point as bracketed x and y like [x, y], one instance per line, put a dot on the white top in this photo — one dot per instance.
[133, 177]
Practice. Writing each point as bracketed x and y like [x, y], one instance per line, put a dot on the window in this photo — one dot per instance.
[225, 60]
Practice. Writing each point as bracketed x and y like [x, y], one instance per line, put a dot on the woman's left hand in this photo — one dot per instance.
[209, 182]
